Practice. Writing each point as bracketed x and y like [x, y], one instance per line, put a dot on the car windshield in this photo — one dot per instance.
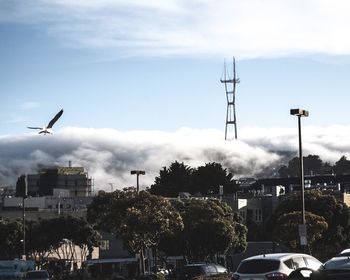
[193, 270]
[347, 254]
[258, 266]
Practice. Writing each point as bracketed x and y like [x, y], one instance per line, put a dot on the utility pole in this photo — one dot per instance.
[142, 254]
[24, 196]
[302, 228]
[138, 173]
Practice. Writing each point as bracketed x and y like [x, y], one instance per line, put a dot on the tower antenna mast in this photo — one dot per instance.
[230, 89]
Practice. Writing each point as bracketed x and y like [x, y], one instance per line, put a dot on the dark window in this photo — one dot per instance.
[289, 263]
[258, 266]
[192, 271]
[344, 254]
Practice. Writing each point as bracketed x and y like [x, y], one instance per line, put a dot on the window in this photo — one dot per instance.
[211, 270]
[258, 266]
[258, 215]
[242, 214]
[104, 244]
[313, 263]
[289, 263]
[298, 262]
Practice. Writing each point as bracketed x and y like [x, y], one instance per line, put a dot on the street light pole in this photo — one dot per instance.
[24, 215]
[138, 173]
[302, 230]
[142, 255]
[301, 172]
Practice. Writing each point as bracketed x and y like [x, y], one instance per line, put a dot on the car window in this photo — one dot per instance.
[221, 269]
[344, 254]
[289, 263]
[192, 271]
[298, 262]
[313, 263]
[211, 270]
[258, 266]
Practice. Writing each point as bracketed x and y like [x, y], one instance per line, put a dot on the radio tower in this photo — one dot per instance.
[230, 88]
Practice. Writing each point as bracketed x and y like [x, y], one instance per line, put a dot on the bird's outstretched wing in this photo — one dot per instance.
[31, 127]
[52, 122]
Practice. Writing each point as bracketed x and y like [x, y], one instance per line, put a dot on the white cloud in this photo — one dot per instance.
[108, 155]
[246, 29]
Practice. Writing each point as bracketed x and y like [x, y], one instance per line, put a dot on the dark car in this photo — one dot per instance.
[337, 268]
[202, 269]
[37, 275]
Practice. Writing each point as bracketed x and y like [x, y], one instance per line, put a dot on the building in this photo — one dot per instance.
[51, 192]
[74, 179]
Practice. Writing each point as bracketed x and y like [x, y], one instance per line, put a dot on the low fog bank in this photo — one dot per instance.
[108, 155]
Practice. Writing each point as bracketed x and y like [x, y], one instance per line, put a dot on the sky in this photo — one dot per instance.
[139, 82]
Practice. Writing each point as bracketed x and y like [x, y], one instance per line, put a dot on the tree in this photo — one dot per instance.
[11, 234]
[335, 213]
[172, 180]
[204, 180]
[287, 226]
[210, 227]
[60, 235]
[40, 243]
[342, 166]
[140, 219]
[313, 165]
[283, 171]
[208, 178]
[293, 167]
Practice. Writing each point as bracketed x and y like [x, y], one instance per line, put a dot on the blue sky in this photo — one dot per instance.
[156, 65]
[108, 69]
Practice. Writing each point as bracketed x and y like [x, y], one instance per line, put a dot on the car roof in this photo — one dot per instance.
[338, 263]
[345, 251]
[275, 256]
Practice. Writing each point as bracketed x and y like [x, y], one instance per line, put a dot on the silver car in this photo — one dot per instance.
[339, 262]
[274, 266]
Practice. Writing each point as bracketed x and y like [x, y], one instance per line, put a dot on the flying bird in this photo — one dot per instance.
[48, 128]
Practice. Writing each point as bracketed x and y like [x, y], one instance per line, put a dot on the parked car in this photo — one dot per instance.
[37, 275]
[320, 274]
[202, 269]
[274, 266]
[341, 261]
[346, 251]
